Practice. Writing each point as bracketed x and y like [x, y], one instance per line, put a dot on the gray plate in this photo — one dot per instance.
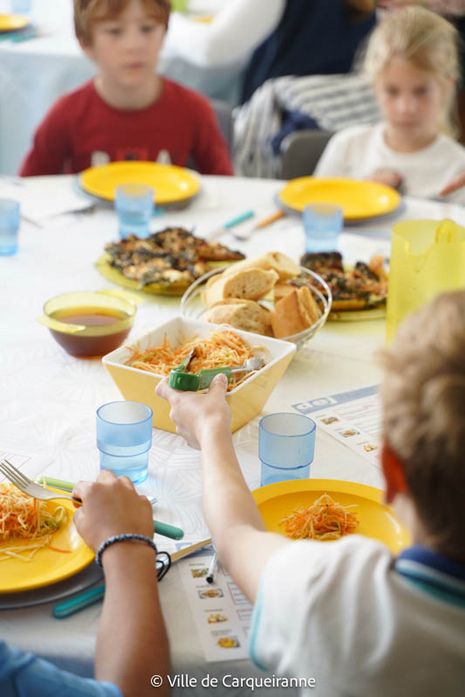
[49, 594]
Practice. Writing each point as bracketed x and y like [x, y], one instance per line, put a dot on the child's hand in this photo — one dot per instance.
[454, 185]
[194, 413]
[111, 506]
[387, 176]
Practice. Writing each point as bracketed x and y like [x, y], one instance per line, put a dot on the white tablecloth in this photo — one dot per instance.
[34, 73]
[48, 399]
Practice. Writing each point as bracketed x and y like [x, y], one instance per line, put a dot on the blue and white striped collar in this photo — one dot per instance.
[433, 573]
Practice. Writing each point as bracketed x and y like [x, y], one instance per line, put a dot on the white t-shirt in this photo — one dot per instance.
[230, 39]
[343, 614]
[357, 152]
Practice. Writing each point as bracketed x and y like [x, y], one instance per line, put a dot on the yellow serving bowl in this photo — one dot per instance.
[246, 400]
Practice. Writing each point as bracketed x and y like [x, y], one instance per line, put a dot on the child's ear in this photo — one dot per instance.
[394, 474]
[86, 48]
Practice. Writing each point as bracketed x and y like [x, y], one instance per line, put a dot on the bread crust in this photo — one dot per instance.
[308, 308]
[247, 315]
[250, 283]
[232, 297]
[294, 313]
[284, 266]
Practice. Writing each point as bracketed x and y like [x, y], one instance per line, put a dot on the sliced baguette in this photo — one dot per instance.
[284, 266]
[308, 307]
[294, 313]
[282, 289]
[243, 314]
[250, 283]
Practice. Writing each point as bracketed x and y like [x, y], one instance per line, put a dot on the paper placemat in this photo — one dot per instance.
[353, 418]
[43, 197]
[222, 613]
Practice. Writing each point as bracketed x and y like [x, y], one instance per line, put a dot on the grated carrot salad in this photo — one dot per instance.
[26, 524]
[325, 519]
[222, 348]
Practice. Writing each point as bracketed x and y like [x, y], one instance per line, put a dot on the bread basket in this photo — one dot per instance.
[192, 304]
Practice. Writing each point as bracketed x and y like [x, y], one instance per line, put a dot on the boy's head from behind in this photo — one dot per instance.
[88, 12]
[423, 42]
[423, 398]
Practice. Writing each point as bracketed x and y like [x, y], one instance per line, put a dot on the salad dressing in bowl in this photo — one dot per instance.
[88, 324]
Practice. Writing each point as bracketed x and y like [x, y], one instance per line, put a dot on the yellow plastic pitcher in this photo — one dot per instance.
[179, 5]
[427, 258]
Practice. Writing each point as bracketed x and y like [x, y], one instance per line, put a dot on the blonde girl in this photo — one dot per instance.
[413, 64]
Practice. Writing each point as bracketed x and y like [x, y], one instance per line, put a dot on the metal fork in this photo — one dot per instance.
[29, 487]
[39, 492]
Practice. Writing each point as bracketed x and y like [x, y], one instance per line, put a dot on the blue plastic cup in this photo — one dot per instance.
[286, 445]
[134, 207]
[124, 439]
[323, 224]
[23, 7]
[9, 226]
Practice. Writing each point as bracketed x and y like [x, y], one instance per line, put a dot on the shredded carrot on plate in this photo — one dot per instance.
[26, 524]
[325, 519]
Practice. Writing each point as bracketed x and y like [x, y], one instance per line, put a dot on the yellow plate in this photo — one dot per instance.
[47, 566]
[12, 22]
[376, 519]
[359, 199]
[174, 289]
[115, 276]
[172, 184]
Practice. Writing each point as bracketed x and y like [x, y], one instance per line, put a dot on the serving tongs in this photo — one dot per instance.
[179, 379]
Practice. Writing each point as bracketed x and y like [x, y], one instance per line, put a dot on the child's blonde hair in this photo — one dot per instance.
[88, 12]
[426, 40]
[423, 397]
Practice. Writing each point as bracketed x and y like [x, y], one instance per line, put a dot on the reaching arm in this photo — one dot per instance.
[218, 43]
[454, 185]
[132, 644]
[243, 545]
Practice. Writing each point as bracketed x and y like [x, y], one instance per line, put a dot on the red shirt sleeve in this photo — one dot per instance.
[51, 145]
[210, 154]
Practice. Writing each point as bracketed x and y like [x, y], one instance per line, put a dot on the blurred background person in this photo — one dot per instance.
[272, 38]
[128, 111]
[454, 10]
[413, 63]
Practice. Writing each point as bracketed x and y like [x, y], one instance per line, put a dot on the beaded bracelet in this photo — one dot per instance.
[127, 537]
